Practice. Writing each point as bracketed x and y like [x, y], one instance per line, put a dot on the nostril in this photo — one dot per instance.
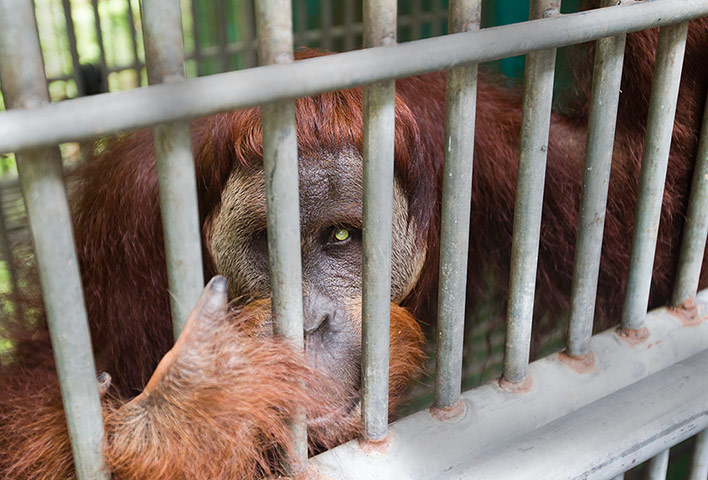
[320, 313]
[319, 325]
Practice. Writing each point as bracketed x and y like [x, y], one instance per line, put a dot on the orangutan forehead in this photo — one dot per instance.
[331, 188]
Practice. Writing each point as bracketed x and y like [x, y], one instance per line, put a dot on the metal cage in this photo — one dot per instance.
[614, 401]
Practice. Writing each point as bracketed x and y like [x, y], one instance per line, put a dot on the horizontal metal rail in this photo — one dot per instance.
[83, 118]
[666, 409]
[490, 429]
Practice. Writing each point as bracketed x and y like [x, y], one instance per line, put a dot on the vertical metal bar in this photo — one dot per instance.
[655, 159]
[175, 166]
[280, 164]
[538, 94]
[658, 466]
[197, 39]
[326, 24]
[223, 53]
[349, 20]
[99, 40]
[133, 41]
[379, 115]
[71, 37]
[699, 464]
[607, 77]
[694, 234]
[461, 106]
[24, 86]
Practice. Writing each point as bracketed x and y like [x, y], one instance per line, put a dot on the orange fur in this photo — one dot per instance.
[217, 409]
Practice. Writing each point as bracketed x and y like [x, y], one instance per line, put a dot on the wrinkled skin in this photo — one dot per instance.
[330, 203]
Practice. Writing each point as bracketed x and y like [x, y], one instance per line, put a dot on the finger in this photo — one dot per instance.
[212, 302]
[210, 305]
[104, 383]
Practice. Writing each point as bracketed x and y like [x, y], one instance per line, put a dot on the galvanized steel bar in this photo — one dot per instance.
[607, 77]
[461, 105]
[658, 465]
[538, 94]
[666, 410]
[699, 463]
[24, 86]
[491, 439]
[175, 165]
[378, 150]
[618, 477]
[84, 118]
[280, 164]
[696, 228]
[655, 159]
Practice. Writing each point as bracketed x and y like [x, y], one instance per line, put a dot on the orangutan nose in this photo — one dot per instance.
[319, 311]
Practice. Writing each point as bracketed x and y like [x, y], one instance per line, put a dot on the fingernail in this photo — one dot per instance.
[104, 383]
[218, 284]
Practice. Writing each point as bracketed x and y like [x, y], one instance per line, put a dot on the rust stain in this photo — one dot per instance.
[449, 413]
[687, 312]
[376, 447]
[520, 387]
[582, 364]
[633, 337]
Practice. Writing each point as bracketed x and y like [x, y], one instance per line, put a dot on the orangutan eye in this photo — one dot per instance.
[340, 234]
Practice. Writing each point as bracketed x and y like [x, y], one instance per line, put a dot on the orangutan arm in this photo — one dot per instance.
[216, 407]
